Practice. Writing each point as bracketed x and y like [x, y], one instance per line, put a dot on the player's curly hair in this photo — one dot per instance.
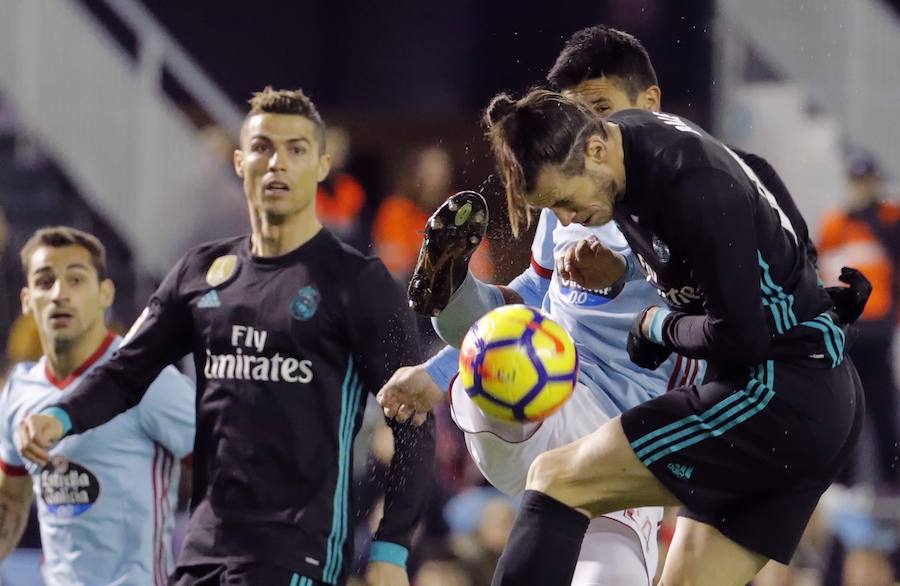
[60, 236]
[603, 51]
[542, 128]
[272, 101]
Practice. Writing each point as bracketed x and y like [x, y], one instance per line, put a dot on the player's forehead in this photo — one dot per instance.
[609, 86]
[55, 259]
[548, 187]
[279, 127]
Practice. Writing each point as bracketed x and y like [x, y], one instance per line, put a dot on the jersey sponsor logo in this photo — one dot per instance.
[305, 304]
[68, 489]
[572, 292]
[675, 296]
[222, 269]
[679, 297]
[246, 361]
[211, 299]
[681, 471]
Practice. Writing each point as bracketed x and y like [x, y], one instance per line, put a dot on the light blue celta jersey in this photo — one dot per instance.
[107, 498]
[599, 323]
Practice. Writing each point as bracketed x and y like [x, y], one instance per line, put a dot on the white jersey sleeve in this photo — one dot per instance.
[10, 460]
[542, 246]
[167, 413]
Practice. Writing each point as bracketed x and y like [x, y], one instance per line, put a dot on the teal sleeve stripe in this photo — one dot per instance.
[656, 325]
[60, 414]
[385, 551]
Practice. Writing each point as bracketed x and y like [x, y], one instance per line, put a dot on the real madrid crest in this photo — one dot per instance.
[662, 250]
[305, 304]
[222, 269]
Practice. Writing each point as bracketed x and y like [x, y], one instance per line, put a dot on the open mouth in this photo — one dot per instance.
[275, 188]
[60, 319]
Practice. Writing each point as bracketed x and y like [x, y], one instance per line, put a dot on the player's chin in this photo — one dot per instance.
[597, 219]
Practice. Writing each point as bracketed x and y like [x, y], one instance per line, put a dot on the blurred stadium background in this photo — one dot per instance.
[119, 117]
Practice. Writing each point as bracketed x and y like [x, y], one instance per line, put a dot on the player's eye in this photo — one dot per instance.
[259, 147]
[298, 150]
[75, 280]
[44, 282]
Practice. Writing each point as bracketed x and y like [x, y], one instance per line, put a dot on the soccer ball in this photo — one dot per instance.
[517, 364]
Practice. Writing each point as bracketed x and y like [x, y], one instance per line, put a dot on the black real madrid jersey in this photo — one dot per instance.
[734, 267]
[286, 350]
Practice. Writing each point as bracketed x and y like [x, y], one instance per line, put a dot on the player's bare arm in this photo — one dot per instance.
[409, 393]
[15, 501]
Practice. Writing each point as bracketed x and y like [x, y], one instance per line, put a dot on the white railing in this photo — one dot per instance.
[106, 119]
[844, 52]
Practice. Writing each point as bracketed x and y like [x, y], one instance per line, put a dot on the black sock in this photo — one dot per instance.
[544, 544]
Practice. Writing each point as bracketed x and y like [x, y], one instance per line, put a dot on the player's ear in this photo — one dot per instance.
[239, 162]
[650, 99]
[596, 149]
[25, 297]
[324, 167]
[107, 293]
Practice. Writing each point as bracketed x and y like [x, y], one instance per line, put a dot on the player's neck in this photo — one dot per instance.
[64, 358]
[617, 152]
[270, 238]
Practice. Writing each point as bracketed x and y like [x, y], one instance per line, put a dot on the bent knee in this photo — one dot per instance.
[558, 475]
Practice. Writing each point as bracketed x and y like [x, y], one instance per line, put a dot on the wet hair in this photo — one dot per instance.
[61, 236]
[271, 101]
[603, 51]
[542, 128]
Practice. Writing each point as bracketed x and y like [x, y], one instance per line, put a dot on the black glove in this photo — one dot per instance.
[849, 302]
[642, 351]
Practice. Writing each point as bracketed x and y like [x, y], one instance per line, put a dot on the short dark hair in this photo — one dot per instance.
[603, 51]
[272, 101]
[542, 128]
[60, 236]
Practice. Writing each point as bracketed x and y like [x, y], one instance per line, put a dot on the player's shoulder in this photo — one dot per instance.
[202, 253]
[674, 143]
[354, 263]
[170, 378]
[169, 387]
[22, 380]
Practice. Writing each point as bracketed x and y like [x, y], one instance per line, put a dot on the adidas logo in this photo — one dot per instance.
[681, 471]
[211, 299]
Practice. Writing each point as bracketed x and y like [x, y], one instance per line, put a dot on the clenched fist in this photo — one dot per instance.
[36, 435]
[591, 265]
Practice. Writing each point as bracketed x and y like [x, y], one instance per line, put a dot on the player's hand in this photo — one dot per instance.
[591, 265]
[409, 393]
[849, 302]
[641, 350]
[36, 435]
[385, 574]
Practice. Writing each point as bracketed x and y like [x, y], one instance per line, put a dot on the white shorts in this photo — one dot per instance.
[619, 548]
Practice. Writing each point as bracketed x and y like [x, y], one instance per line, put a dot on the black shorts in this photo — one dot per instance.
[752, 455]
[238, 574]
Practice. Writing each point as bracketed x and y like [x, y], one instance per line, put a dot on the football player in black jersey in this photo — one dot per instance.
[290, 329]
[749, 451]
